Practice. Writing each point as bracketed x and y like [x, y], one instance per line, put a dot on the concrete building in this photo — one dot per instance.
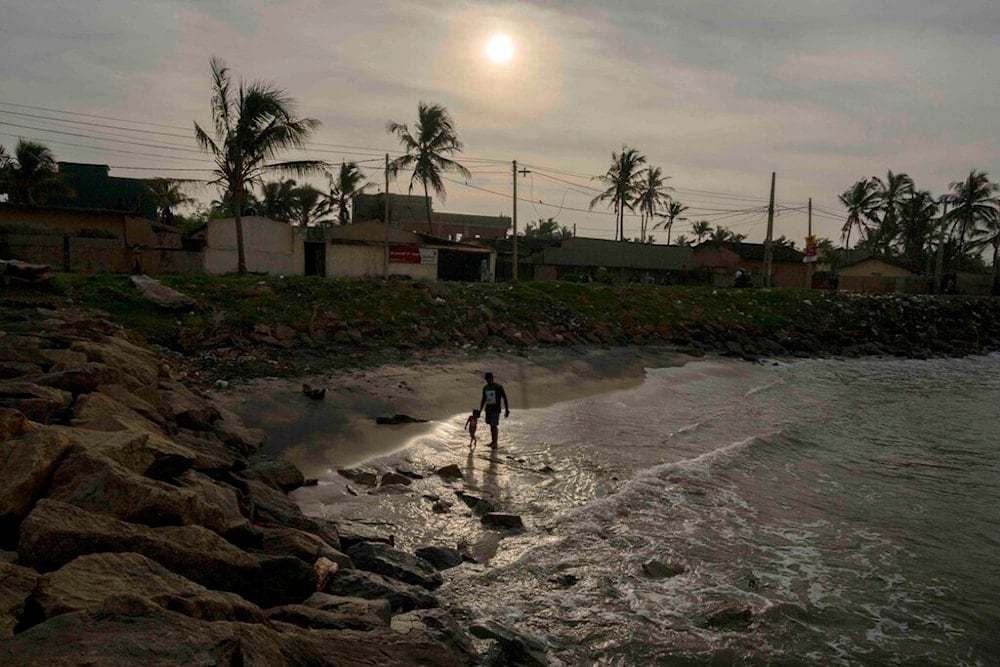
[410, 212]
[91, 187]
[722, 260]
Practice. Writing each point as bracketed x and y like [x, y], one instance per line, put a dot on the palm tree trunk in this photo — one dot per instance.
[241, 266]
[995, 286]
[427, 199]
[670, 226]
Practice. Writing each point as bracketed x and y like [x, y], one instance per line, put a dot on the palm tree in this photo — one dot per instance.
[253, 125]
[32, 174]
[892, 193]
[860, 201]
[651, 196]
[682, 240]
[672, 214]
[434, 138]
[917, 223]
[973, 203]
[348, 183]
[277, 200]
[621, 185]
[307, 204]
[166, 195]
[701, 229]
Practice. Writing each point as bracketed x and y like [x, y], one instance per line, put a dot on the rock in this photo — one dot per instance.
[28, 465]
[450, 472]
[185, 408]
[325, 568]
[55, 533]
[565, 580]
[399, 419]
[441, 506]
[371, 586]
[164, 297]
[281, 581]
[131, 630]
[239, 438]
[16, 585]
[15, 369]
[313, 618]
[442, 558]
[477, 504]
[140, 450]
[277, 473]
[520, 648]
[220, 504]
[364, 477]
[36, 402]
[354, 532]
[500, 520]
[211, 455]
[441, 625]
[137, 405]
[384, 560]
[86, 582]
[379, 611]
[394, 478]
[730, 617]
[282, 541]
[80, 379]
[98, 484]
[271, 507]
[137, 368]
[12, 424]
[657, 569]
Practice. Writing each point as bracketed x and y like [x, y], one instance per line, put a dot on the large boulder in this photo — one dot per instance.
[439, 624]
[79, 379]
[307, 547]
[518, 648]
[138, 450]
[355, 532]
[13, 423]
[377, 609]
[138, 366]
[96, 483]
[371, 586]
[277, 473]
[16, 585]
[312, 617]
[55, 533]
[137, 405]
[442, 558]
[132, 630]
[385, 560]
[185, 408]
[86, 582]
[36, 402]
[28, 465]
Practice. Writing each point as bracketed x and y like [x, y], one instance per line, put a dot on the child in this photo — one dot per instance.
[470, 426]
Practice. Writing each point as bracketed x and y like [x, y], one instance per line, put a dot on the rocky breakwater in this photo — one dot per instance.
[137, 527]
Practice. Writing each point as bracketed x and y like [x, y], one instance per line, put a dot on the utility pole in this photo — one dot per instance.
[810, 233]
[768, 249]
[523, 172]
[385, 215]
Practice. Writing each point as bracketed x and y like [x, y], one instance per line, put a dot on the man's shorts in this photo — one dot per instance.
[493, 418]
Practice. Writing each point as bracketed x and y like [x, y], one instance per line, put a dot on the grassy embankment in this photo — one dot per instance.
[364, 316]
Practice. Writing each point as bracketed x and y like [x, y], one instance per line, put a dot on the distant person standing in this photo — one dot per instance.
[493, 394]
[484, 271]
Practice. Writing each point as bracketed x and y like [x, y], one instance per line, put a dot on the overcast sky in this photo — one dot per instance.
[717, 93]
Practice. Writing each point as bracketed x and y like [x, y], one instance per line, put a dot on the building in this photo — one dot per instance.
[95, 240]
[722, 260]
[410, 212]
[91, 187]
[366, 249]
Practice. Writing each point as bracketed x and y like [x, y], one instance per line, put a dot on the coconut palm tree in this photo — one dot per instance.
[672, 214]
[31, 174]
[166, 195]
[620, 180]
[307, 205]
[433, 139]
[347, 184]
[701, 229]
[974, 203]
[917, 223]
[651, 197]
[253, 125]
[860, 200]
[277, 200]
[892, 193]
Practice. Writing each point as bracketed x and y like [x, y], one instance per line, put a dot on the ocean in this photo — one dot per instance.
[815, 512]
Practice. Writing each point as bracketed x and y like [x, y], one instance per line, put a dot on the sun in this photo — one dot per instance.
[500, 49]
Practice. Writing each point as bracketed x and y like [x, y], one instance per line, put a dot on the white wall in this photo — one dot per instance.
[271, 247]
[357, 261]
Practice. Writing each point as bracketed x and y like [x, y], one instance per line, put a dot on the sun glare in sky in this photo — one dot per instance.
[500, 49]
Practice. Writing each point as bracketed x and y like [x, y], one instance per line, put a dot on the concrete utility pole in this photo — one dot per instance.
[768, 249]
[385, 215]
[810, 233]
[523, 172]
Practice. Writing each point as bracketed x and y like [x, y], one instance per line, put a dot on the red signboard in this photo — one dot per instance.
[404, 254]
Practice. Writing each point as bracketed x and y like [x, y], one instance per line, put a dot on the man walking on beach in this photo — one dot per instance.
[493, 393]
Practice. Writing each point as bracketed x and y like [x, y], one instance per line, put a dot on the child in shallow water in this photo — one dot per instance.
[470, 426]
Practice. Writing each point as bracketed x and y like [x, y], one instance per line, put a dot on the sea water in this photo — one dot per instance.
[818, 512]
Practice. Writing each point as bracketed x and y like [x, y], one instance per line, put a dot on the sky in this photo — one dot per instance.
[716, 93]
